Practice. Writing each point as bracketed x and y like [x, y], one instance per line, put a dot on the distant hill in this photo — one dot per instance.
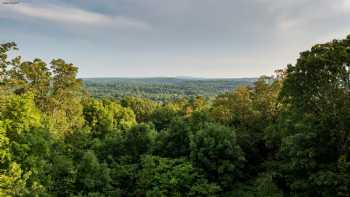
[162, 88]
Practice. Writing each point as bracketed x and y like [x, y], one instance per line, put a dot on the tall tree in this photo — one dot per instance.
[316, 147]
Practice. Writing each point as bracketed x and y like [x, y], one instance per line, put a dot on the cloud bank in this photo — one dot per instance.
[69, 16]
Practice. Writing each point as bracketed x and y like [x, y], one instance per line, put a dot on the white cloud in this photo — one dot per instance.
[69, 16]
[342, 6]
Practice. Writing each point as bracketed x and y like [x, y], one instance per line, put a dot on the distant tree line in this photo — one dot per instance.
[283, 136]
[162, 89]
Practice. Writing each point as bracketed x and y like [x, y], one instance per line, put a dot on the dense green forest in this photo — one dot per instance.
[288, 135]
[162, 89]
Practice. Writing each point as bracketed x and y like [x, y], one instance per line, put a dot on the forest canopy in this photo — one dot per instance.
[286, 135]
[162, 89]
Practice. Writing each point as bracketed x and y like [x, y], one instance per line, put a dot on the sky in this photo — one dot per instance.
[152, 38]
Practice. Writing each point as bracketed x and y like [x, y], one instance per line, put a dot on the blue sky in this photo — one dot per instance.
[145, 38]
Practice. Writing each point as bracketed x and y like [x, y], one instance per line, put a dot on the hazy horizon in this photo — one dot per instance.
[170, 77]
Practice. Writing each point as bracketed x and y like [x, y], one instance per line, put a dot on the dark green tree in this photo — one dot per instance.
[315, 148]
[174, 141]
[214, 149]
[171, 177]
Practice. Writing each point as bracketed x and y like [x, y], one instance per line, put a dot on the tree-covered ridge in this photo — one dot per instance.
[162, 89]
[283, 136]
